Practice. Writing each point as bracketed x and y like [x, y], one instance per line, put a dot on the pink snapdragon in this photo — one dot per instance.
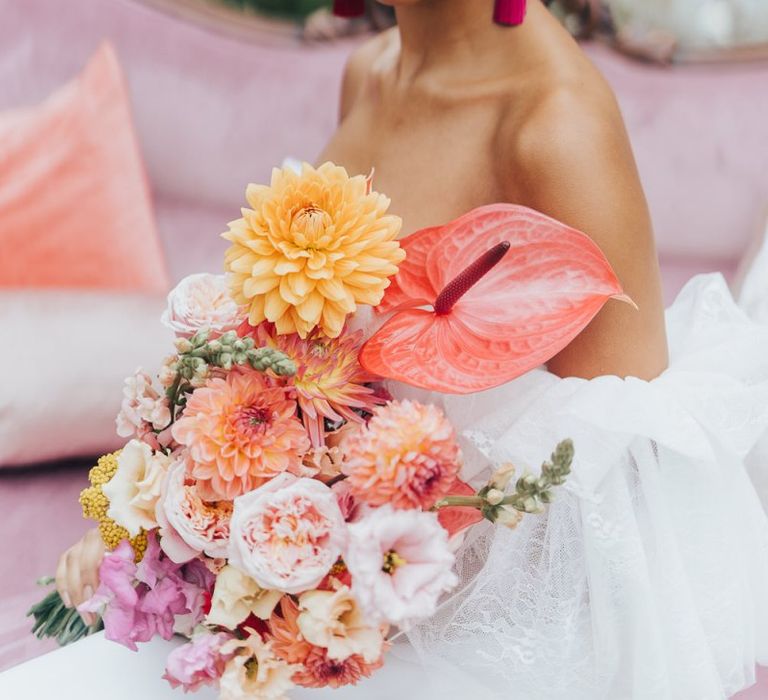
[152, 598]
[143, 410]
[197, 663]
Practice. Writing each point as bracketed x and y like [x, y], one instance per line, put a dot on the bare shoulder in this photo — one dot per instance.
[567, 121]
[359, 66]
[568, 155]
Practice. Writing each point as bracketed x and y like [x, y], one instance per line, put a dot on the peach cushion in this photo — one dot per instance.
[74, 204]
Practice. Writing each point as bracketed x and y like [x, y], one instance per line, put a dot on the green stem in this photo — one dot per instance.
[173, 398]
[464, 501]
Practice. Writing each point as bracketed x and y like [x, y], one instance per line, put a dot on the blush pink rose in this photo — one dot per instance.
[189, 525]
[287, 534]
[202, 301]
[401, 562]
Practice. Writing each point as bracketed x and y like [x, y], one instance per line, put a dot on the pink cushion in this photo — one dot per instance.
[74, 205]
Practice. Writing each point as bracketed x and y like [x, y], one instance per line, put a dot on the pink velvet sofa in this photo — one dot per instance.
[214, 112]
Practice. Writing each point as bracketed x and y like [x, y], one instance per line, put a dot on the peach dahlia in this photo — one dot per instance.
[406, 456]
[240, 431]
[330, 382]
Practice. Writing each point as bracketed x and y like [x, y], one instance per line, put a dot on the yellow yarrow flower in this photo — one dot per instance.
[95, 505]
[313, 246]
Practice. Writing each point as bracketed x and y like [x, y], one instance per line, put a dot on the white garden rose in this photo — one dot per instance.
[334, 620]
[136, 486]
[202, 301]
[236, 596]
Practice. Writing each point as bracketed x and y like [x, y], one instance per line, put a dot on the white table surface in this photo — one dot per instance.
[95, 669]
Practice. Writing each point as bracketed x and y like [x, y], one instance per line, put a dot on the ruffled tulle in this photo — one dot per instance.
[647, 578]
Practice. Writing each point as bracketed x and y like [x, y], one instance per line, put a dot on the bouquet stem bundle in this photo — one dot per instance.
[55, 620]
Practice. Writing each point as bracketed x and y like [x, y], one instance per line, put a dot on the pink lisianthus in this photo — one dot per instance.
[197, 663]
[202, 301]
[143, 408]
[287, 534]
[140, 601]
[189, 525]
[400, 562]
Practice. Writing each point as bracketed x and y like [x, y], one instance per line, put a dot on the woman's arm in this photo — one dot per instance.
[573, 162]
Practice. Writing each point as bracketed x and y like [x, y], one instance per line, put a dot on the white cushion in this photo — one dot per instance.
[64, 356]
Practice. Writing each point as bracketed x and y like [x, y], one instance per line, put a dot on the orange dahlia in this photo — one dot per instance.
[317, 670]
[240, 431]
[329, 381]
[313, 246]
[407, 456]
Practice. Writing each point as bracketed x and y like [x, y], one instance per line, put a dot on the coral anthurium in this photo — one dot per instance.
[486, 298]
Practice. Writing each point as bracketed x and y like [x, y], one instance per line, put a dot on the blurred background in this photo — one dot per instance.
[129, 128]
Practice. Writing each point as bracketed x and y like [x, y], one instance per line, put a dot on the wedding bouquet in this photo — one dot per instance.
[274, 503]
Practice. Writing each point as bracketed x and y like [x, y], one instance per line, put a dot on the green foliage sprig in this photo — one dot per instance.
[197, 355]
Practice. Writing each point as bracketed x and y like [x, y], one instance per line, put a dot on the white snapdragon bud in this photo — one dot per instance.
[183, 345]
[494, 497]
[508, 517]
[502, 476]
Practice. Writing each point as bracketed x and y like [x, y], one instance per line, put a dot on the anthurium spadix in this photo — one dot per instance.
[486, 298]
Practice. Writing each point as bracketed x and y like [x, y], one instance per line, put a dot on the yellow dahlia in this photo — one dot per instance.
[95, 506]
[240, 432]
[330, 382]
[312, 247]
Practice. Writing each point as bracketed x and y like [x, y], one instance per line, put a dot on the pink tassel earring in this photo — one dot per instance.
[348, 8]
[510, 13]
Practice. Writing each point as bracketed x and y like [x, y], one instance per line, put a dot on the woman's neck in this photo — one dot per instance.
[450, 36]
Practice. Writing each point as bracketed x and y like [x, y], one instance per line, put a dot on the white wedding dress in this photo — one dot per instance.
[646, 579]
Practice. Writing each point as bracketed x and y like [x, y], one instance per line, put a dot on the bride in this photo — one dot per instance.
[647, 577]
